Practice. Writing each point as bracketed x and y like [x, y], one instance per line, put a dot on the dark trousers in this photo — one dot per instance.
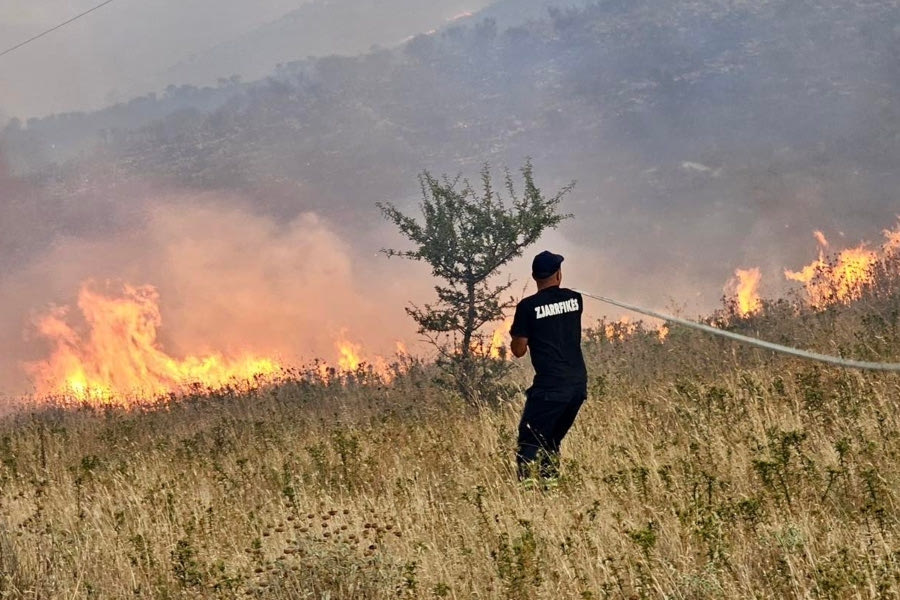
[548, 416]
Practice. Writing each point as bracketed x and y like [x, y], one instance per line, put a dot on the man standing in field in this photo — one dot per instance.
[549, 323]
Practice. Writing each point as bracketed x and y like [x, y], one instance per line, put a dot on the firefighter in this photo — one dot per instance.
[549, 325]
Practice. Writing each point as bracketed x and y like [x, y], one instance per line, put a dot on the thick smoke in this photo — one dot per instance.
[129, 49]
[229, 281]
[704, 137]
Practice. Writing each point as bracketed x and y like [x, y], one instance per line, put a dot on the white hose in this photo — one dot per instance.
[825, 358]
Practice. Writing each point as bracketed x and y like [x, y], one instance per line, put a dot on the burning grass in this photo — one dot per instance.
[115, 357]
[698, 469]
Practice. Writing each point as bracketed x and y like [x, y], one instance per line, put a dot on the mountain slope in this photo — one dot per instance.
[318, 28]
[703, 133]
[514, 13]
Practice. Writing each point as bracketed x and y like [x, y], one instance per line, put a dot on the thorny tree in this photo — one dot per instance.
[466, 237]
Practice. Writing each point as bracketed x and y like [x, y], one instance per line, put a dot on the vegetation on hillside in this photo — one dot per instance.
[737, 126]
[698, 469]
[656, 77]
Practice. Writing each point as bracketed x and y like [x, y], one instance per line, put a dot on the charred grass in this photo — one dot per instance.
[698, 469]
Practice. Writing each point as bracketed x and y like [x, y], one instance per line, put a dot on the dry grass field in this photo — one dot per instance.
[698, 469]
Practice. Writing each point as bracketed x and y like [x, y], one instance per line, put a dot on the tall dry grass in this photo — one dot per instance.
[697, 469]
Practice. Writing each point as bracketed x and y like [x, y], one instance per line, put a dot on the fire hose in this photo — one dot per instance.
[744, 339]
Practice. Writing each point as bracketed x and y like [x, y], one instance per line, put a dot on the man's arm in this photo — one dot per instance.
[520, 329]
[519, 346]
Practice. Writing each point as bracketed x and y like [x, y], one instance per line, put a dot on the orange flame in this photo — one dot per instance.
[499, 340]
[621, 329]
[892, 240]
[745, 288]
[351, 359]
[841, 282]
[497, 346]
[120, 357]
[853, 271]
[808, 273]
[350, 356]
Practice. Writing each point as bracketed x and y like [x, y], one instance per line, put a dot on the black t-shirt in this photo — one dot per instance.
[551, 320]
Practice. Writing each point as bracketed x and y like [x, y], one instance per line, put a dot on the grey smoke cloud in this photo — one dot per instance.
[129, 47]
[229, 281]
[697, 150]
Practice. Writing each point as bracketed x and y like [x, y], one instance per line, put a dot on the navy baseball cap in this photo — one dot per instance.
[545, 264]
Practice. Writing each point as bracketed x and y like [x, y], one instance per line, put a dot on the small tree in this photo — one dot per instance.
[466, 237]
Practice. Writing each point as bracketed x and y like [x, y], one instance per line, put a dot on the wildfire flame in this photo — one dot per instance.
[350, 355]
[825, 282]
[892, 240]
[663, 332]
[621, 329]
[352, 360]
[497, 346]
[744, 287]
[499, 340]
[840, 282]
[119, 356]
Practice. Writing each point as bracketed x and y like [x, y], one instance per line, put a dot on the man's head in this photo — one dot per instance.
[545, 268]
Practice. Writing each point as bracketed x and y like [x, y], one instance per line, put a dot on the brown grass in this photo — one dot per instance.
[696, 470]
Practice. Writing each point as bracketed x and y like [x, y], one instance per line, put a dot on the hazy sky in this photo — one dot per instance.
[124, 48]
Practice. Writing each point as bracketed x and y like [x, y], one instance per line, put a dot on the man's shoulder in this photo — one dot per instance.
[565, 294]
[527, 300]
[551, 295]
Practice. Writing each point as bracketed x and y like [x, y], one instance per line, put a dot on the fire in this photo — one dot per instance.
[663, 332]
[854, 271]
[351, 360]
[892, 240]
[499, 340]
[350, 355]
[808, 274]
[621, 329]
[826, 281]
[840, 282]
[497, 346]
[119, 356]
[745, 289]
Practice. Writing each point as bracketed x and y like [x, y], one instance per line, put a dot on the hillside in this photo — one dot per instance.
[318, 28]
[688, 125]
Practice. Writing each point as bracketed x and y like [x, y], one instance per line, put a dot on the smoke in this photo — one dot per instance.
[698, 149]
[115, 53]
[229, 282]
